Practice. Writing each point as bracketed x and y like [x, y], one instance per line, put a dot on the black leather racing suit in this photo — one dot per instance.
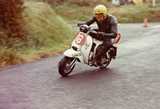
[107, 29]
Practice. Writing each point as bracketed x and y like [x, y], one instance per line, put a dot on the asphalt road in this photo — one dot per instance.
[132, 81]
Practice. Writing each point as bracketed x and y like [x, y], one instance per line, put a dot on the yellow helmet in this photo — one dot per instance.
[100, 9]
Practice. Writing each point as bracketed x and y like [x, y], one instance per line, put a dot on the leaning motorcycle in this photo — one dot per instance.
[83, 49]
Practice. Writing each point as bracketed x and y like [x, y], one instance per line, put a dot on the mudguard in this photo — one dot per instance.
[71, 53]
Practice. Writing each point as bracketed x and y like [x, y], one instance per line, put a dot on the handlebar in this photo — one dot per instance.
[83, 27]
[94, 33]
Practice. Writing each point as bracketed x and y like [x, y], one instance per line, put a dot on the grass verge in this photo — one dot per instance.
[125, 14]
[47, 33]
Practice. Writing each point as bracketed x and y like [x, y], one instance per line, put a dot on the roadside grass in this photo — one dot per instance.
[47, 34]
[73, 12]
[125, 14]
[136, 13]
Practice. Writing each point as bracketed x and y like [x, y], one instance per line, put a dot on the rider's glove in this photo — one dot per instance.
[79, 24]
[93, 33]
[100, 33]
[103, 35]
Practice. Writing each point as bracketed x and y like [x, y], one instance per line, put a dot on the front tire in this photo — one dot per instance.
[65, 66]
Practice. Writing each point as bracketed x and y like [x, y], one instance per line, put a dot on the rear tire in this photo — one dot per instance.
[105, 65]
[64, 66]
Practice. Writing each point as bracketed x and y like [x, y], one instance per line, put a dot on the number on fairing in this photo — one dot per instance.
[80, 38]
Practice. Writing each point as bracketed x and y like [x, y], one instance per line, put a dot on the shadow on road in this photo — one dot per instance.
[91, 75]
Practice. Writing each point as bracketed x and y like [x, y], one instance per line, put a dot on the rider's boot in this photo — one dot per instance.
[115, 53]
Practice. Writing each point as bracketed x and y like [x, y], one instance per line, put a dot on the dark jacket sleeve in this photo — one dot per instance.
[91, 21]
[114, 27]
[104, 36]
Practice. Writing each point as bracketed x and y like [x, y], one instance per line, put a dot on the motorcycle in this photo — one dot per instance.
[83, 49]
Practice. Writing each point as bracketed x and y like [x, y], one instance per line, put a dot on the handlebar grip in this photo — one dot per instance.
[93, 33]
[79, 24]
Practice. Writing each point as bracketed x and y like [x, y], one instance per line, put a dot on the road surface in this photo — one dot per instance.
[132, 81]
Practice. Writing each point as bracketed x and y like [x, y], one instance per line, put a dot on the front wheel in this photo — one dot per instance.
[66, 65]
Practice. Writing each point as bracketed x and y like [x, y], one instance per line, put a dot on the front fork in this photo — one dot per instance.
[73, 62]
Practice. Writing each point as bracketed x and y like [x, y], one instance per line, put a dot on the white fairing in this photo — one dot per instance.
[83, 49]
[71, 53]
[83, 44]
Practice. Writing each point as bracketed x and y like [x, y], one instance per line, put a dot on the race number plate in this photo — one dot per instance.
[80, 38]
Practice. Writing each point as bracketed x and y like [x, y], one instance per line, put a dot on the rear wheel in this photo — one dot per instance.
[66, 65]
[105, 65]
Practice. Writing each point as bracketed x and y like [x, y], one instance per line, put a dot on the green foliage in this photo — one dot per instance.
[9, 56]
[74, 12]
[45, 27]
[47, 33]
[125, 14]
[87, 2]
[76, 2]
[136, 13]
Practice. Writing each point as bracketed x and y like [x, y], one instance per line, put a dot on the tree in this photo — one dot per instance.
[11, 19]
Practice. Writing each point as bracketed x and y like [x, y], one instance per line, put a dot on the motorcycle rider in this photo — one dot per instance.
[107, 29]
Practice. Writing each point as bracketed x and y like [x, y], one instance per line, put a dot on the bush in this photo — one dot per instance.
[9, 56]
[45, 27]
[77, 2]
[125, 14]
